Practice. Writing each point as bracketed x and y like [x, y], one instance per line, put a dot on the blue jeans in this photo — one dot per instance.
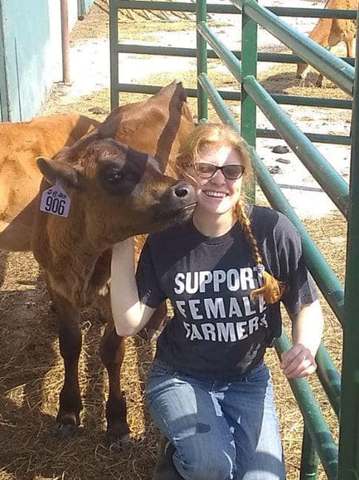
[220, 430]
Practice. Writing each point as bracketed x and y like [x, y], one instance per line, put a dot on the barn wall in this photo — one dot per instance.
[30, 53]
[3, 89]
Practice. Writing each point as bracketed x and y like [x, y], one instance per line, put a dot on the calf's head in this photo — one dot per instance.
[117, 192]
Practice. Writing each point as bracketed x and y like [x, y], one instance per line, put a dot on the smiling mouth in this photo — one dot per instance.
[213, 194]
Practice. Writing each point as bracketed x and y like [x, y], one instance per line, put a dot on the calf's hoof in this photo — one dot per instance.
[67, 425]
[118, 433]
[66, 431]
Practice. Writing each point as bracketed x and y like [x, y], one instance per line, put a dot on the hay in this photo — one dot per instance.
[31, 376]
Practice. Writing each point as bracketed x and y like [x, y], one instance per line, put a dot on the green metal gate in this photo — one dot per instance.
[342, 391]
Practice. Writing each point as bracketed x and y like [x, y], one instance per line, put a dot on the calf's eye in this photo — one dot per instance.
[114, 177]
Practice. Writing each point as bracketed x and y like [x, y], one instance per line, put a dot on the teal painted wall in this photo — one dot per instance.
[4, 103]
[30, 53]
[26, 35]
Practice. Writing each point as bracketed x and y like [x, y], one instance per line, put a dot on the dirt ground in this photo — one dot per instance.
[31, 371]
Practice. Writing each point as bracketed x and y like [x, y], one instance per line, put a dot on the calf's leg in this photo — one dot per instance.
[70, 341]
[112, 352]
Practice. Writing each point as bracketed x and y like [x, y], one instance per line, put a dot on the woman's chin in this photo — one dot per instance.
[214, 208]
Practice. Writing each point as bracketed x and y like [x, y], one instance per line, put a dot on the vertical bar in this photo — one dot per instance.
[81, 10]
[65, 42]
[114, 54]
[202, 97]
[249, 67]
[349, 415]
[310, 459]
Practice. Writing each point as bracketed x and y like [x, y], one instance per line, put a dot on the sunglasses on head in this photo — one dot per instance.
[207, 170]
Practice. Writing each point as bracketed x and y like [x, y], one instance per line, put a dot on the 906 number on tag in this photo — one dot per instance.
[55, 201]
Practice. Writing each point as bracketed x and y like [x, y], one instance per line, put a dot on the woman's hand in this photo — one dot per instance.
[298, 362]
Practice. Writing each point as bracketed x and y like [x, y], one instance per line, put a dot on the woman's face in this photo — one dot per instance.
[218, 190]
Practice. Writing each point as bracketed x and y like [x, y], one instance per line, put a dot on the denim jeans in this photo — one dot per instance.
[220, 430]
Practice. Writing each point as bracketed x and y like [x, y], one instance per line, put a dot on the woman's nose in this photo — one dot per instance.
[218, 177]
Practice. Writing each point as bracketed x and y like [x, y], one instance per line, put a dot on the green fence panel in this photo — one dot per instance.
[349, 426]
[317, 439]
[314, 421]
[319, 167]
[309, 461]
[202, 100]
[113, 26]
[249, 67]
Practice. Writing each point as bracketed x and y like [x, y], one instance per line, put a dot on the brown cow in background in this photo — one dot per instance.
[116, 190]
[328, 32]
[20, 144]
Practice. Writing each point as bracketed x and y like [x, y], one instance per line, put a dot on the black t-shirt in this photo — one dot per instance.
[217, 330]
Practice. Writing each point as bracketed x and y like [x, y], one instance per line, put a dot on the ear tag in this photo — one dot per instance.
[55, 201]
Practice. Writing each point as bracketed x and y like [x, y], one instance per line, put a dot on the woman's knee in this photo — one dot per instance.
[206, 467]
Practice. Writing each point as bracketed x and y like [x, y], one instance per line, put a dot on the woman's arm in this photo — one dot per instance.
[129, 314]
[299, 361]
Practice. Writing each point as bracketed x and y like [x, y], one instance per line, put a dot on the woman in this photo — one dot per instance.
[224, 272]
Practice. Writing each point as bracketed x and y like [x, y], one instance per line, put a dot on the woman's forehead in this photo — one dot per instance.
[219, 154]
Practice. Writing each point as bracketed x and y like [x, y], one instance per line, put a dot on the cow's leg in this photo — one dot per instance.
[70, 341]
[301, 69]
[319, 82]
[349, 43]
[112, 353]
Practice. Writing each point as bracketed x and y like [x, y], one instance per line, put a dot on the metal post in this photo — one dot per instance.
[310, 459]
[114, 53]
[202, 99]
[349, 416]
[65, 42]
[249, 67]
[81, 9]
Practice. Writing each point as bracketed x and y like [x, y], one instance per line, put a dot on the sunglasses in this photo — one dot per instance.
[207, 170]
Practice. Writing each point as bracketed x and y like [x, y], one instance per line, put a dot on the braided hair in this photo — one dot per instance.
[216, 134]
[271, 288]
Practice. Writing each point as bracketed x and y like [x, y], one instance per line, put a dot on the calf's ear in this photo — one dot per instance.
[62, 172]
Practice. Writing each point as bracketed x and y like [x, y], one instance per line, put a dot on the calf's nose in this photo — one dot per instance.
[182, 190]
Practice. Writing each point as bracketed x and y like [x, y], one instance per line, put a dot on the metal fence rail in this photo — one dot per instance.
[343, 395]
[116, 48]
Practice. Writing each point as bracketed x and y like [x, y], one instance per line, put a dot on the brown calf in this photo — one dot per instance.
[115, 191]
[328, 32]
